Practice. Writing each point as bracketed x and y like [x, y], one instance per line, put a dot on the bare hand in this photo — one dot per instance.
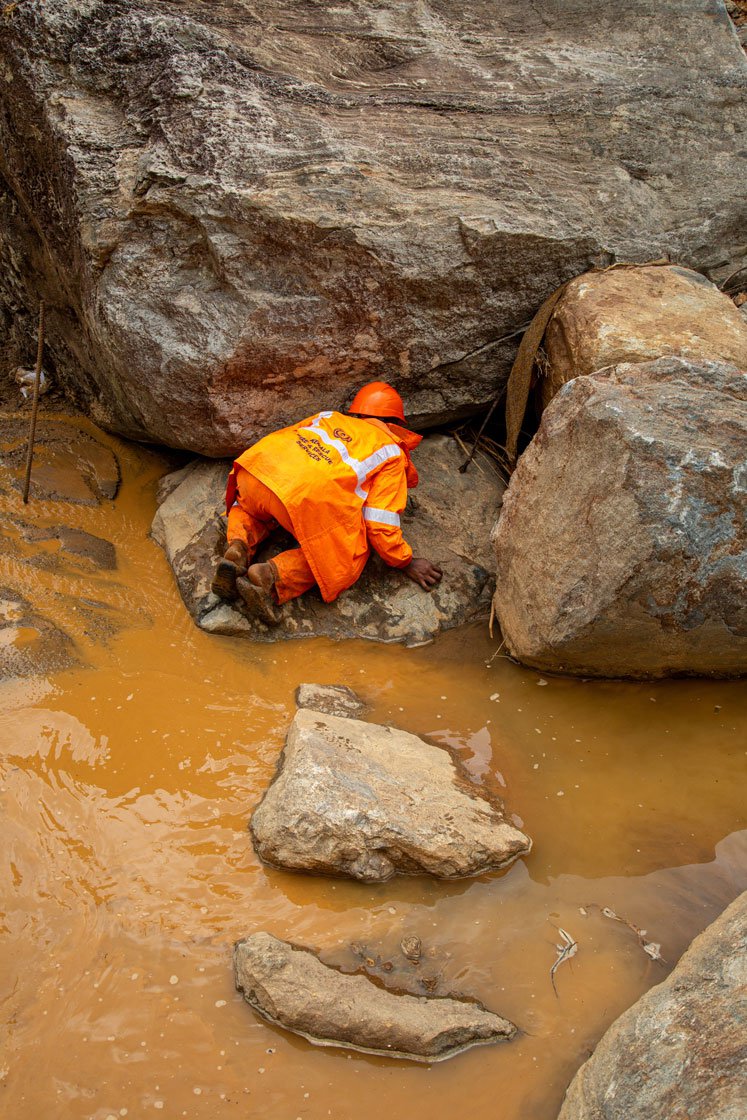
[424, 573]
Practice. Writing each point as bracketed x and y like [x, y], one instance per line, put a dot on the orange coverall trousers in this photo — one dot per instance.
[253, 516]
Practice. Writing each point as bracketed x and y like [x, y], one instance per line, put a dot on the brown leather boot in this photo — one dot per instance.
[234, 563]
[256, 590]
[236, 552]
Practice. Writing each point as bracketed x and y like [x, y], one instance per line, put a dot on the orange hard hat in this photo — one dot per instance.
[380, 400]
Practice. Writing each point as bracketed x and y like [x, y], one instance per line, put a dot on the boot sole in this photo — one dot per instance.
[224, 582]
[258, 602]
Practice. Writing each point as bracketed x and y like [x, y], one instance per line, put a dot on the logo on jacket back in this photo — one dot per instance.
[339, 433]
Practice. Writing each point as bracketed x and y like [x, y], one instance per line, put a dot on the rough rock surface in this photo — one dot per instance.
[237, 211]
[358, 799]
[622, 542]
[679, 1053]
[333, 699]
[293, 989]
[445, 520]
[638, 315]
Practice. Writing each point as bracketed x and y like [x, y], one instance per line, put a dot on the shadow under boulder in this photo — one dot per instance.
[446, 520]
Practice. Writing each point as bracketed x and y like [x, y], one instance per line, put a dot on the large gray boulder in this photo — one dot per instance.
[366, 801]
[290, 987]
[680, 1051]
[236, 214]
[622, 542]
[445, 521]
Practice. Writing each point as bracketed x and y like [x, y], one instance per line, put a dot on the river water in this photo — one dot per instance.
[126, 784]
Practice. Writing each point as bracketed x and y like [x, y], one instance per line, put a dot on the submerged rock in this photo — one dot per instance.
[237, 214]
[333, 699]
[638, 315]
[366, 801]
[73, 542]
[680, 1051]
[30, 644]
[71, 463]
[622, 542]
[445, 520]
[290, 987]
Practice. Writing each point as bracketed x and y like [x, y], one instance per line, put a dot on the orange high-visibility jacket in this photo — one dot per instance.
[344, 484]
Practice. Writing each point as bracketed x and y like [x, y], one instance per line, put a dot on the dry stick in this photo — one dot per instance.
[496, 402]
[728, 280]
[35, 406]
[471, 455]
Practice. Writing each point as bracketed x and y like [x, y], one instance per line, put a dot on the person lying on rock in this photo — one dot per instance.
[338, 483]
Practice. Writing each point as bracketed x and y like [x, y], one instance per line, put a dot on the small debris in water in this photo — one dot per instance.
[173, 979]
[650, 948]
[568, 949]
[412, 948]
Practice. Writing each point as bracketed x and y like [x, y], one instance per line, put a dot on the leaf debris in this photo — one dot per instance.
[650, 948]
[566, 950]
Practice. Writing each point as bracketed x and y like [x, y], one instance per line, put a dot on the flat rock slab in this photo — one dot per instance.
[680, 1051]
[237, 211]
[446, 520]
[291, 988]
[74, 543]
[622, 542]
[334, 699]
[366, 801]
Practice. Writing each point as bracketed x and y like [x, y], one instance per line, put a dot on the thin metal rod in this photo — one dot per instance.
[35, 406]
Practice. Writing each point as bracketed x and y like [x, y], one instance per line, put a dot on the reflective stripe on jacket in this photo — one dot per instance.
[344, 484]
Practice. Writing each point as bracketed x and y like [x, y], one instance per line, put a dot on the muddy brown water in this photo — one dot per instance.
[127, 872]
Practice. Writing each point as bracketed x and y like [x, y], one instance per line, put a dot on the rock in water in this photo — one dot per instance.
[238, 212]
[680, 1051]
[638, 315]
[358, 799]
[30, 644]
[622, 542]
[293, 989]
[334, 699]
[445, 520]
